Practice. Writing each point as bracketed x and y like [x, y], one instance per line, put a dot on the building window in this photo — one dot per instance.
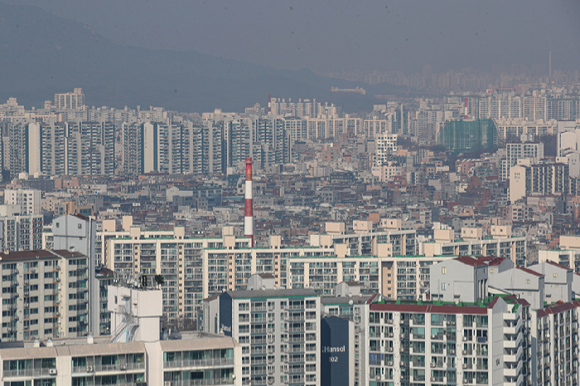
[80, 226]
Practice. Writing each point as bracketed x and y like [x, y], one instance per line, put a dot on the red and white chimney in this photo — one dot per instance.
[249, 217]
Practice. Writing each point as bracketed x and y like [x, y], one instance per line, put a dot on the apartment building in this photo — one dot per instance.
[278, 329]
[194, 359]
[499, 243]
[395, 277]
[20, 232]
[554, 356]
[441, 343]
[484, 322]
[386, 145]
[517, 151]
[364, 240]
[515, 127]
[27, 199]
[568, 253]
[538, 179]
[44, 294]
[70, 100]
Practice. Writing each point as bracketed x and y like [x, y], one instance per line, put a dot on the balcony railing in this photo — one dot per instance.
[199, 362]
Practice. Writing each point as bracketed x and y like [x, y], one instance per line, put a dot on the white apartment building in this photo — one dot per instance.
[404, 278]
[27, 199]
[386, 145]
[517, 151]
[440, 343]
[70, 100]
[510, 128]
[278, 329]
[554, 329]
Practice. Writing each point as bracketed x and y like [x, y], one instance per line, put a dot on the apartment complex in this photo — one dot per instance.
[177, 258]
[278, 329]
[72, 148]
[195, 268]
[484, 322]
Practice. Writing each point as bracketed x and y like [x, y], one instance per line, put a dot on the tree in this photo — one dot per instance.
[159, 280]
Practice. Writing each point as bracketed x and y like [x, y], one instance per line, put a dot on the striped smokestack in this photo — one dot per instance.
[249, 217]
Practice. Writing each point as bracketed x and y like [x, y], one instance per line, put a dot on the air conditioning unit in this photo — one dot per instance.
[464, 352]
[52, 371]
[123, 367]
[90, 369]
[465, 339]
[433, 336]
[465, 365]
[451, 351]
[390, 334]
[433, 364]
[432, 379]
[389, 363]
[167, 383]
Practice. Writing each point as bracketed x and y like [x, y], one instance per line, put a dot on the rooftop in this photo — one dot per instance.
[271, 293]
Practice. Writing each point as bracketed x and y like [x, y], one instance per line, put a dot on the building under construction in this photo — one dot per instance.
[467, 136]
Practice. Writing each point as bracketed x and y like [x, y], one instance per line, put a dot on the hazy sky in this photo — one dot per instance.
[343, 34]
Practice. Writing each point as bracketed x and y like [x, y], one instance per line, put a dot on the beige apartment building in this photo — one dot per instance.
[499, 243]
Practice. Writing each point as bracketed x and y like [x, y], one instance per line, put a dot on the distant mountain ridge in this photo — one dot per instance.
[42, 54]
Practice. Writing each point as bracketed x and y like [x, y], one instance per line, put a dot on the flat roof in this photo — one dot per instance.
[271, 293]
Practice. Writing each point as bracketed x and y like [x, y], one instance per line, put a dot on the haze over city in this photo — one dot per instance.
[259, 193]
[342, 34]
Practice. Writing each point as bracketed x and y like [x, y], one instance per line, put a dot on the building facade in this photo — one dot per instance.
[278, 329]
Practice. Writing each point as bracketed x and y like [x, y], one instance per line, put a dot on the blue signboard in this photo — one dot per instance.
[334, 361]
[226, 314]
